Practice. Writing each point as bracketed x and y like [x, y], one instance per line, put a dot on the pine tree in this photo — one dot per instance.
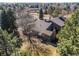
[56, 12]
[8, 20]
[41, 14]
[8, 43]
[50, 10]
[4, 21]
[11, 20]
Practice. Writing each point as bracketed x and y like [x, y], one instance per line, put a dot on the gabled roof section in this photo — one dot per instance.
[58, 21]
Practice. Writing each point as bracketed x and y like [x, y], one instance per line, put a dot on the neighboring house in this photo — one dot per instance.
[73, 7]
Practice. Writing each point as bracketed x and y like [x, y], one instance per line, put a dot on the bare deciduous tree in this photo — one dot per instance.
[26, 22]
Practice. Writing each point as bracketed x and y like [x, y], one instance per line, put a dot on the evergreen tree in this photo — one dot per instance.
[8, 43]
[8, 20]
[50, 10]
[53, 11]
[4, 21]
[41, 14]
[11, 20]
[56, 12]
[68, 43]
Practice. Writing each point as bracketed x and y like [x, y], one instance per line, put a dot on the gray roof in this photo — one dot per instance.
[41, 27]
[58, 21]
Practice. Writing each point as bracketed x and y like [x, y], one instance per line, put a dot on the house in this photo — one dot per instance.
[40, 30]
[48, 30]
